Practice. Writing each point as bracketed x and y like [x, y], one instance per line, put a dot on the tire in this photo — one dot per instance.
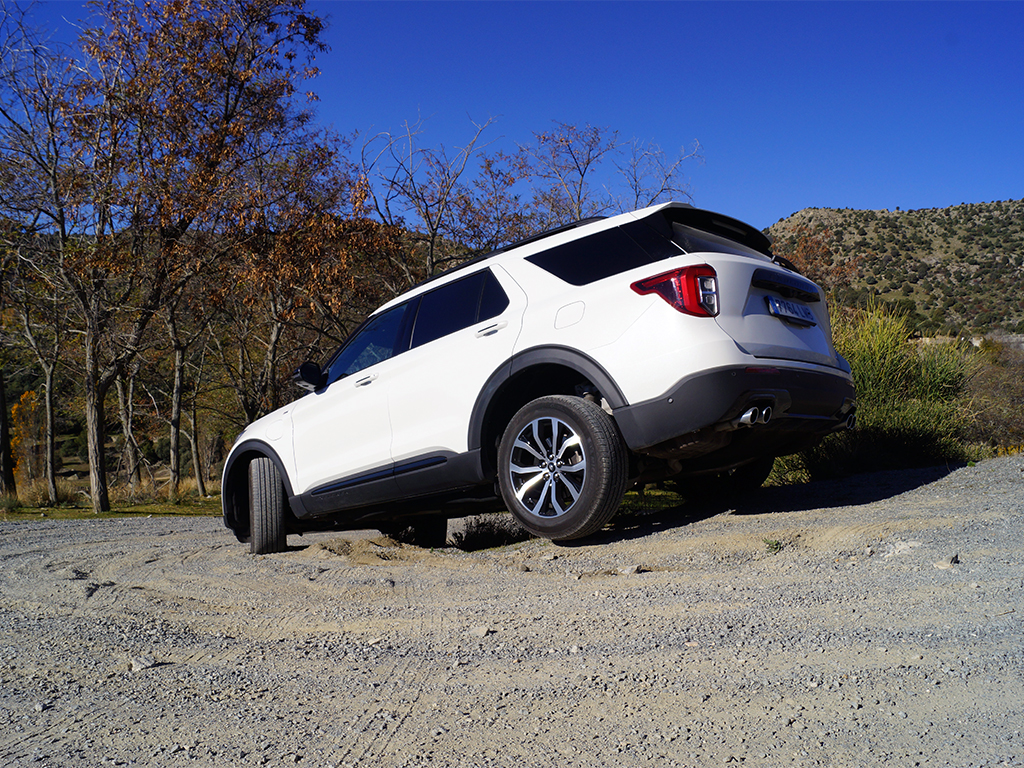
[427, 531]
[750, 477]
[562, 467]
[731, 484]
[266, 508]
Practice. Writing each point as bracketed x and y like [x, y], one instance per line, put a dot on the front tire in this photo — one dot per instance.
[267, 533]
[562, 467]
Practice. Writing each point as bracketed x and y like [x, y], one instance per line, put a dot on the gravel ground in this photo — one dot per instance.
[855, 623]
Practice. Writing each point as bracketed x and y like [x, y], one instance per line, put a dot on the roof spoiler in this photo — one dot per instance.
[718, 224]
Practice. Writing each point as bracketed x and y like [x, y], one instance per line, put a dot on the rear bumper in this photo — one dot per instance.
[813, 402]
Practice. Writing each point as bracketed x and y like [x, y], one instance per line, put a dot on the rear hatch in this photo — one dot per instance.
[773, 313]
[770, 311]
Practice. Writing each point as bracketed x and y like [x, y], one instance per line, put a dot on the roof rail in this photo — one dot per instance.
[547, 233]
[510, 246]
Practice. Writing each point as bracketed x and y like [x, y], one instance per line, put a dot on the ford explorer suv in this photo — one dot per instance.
[547, 378]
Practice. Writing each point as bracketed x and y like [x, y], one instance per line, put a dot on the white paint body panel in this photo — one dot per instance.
[343, 430]
[434, 387]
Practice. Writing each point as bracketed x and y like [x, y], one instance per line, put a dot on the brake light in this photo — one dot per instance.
[692, 290]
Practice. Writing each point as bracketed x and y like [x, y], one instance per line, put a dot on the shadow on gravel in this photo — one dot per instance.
[821, 494]
[844, 492]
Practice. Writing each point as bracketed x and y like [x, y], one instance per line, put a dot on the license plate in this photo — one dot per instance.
[791, 311]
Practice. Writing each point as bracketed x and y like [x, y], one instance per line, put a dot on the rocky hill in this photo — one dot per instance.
[957, 270]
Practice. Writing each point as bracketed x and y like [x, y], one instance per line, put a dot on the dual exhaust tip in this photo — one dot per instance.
[755, 415]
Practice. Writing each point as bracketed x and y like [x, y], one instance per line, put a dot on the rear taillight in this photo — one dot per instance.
[693, 290]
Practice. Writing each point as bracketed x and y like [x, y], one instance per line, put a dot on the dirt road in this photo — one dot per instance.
[871, 621]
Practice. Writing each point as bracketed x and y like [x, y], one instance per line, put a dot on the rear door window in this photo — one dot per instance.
[458, 305]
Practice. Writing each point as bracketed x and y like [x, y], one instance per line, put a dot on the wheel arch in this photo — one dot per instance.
[235, 486]
[537, 372]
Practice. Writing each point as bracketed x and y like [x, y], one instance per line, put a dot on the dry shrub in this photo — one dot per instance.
[997, 393]
[188, 488]
[145, 491]
[37, 495]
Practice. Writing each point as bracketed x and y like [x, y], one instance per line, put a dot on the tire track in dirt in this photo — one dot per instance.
[19, 746]
[385, 715]
[681, 640]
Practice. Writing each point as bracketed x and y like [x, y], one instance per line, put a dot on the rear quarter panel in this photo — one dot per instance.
[643, 343]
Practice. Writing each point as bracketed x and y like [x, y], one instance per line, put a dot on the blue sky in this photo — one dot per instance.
[795, 104]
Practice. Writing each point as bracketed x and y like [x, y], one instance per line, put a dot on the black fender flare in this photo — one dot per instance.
[522, 361]
[234, 492]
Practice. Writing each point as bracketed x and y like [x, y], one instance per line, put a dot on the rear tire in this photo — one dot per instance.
[426, 531]
[562, 467]
[266, 508]
[750, 477]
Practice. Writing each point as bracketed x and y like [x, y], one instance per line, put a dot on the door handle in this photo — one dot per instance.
[366, 380]
[491, 329]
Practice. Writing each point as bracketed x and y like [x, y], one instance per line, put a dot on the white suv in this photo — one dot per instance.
[546, 378]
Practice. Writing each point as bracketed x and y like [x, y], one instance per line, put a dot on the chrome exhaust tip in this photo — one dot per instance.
[749, 417]
[765, 415]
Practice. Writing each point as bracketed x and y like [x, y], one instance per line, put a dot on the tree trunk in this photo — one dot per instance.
[268, 376]
[197, 463]
[95, 426]
[176, 393]
[95, 415]
[7, 484]
[51, 456]
[126, 412]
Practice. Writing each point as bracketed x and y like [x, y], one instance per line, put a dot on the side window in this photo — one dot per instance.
[374, 343]
[605, 253]
[458, 305]
[494, 300]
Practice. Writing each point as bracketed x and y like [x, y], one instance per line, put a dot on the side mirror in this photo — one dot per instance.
[309, 376]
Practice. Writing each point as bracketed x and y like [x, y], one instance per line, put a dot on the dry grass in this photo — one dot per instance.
[73, 499]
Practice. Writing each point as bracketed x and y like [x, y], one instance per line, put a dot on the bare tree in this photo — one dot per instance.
[651, 176]
[568, 171]
[8, 486]
[409, 181]
[561, 165]
[489, 210]
[41, 327]
[124, 152]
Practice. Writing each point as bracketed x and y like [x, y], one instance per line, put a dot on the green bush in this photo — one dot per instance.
[912, 408]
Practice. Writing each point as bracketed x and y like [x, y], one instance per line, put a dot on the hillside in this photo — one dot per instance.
[957, 269]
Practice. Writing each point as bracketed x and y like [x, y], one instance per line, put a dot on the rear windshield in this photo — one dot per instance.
[694, 240]
[632, 245]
